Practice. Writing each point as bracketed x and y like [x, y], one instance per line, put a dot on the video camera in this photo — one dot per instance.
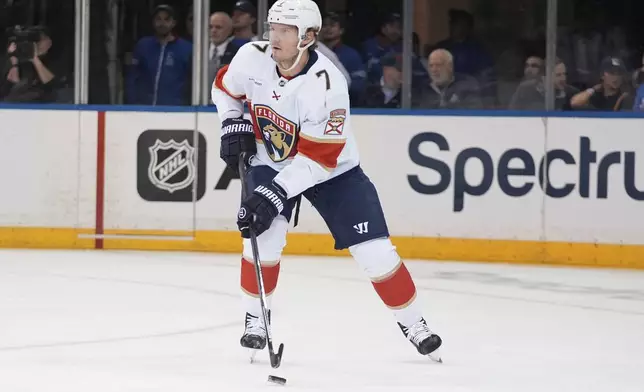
[24, 38]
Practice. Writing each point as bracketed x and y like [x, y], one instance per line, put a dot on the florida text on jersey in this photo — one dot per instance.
[302, 124]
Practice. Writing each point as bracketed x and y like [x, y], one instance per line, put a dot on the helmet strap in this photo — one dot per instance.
[300, 51]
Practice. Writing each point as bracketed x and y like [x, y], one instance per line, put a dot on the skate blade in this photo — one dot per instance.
[252, 353]
[435, 356]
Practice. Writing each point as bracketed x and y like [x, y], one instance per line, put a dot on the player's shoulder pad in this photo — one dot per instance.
[254, 50]
[250, 57]
[328, 77]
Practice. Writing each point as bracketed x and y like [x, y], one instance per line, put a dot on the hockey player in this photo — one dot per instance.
[301, 140]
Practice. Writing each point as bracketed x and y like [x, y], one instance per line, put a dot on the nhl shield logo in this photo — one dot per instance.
[172, 165]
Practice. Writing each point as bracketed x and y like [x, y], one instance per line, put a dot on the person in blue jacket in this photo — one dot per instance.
[470, 56]
[161, 65]
[331, 36]
[389, 40]
[639, 99]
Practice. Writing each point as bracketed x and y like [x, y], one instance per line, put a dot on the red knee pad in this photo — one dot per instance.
[270, 274]
[396, 289]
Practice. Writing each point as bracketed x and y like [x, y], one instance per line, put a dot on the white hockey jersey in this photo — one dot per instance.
[302, 124]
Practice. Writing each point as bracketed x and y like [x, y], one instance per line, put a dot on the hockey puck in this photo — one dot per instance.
[277, 380]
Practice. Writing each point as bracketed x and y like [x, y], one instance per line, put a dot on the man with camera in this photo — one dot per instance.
[27, 75]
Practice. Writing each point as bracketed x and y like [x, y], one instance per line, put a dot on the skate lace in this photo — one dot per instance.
[419, 332]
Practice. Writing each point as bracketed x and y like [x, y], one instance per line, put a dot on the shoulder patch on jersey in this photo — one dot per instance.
[278, 133]
[335, 124]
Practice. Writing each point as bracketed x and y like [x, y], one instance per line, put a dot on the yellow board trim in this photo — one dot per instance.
[45, 238]
[429, 248]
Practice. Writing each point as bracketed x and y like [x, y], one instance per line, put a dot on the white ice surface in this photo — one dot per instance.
[90, 321]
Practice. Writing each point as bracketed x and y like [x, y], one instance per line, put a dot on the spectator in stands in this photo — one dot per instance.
[638, 106]
[245, 20]
[531, 94]
[613, 93]
[534, 68]
[388, 40]
[448, 89]
[223, 45]
[331, 36]
[161, 66]
[33, 75]
[417, 52]
[190, 25]
[586, 48]
[638, 75]
[638, 84]
[470, 58]
[615, 44]
[386, 93]
[510, 65]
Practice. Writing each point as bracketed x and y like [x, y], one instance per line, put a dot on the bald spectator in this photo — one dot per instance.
[223, 45]
[447, 89]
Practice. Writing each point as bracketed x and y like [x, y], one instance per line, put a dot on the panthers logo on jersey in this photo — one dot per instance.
[278, 133]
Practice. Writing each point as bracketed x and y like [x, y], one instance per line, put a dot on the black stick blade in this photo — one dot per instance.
[276, 359]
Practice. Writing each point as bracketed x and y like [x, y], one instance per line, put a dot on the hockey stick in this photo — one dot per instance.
[276, 358]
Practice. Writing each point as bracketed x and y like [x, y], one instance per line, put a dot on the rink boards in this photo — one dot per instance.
[557, 190]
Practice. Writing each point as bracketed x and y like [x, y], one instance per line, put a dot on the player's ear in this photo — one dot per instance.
[310, 36]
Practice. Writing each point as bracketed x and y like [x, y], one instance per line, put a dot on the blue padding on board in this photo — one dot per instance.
[355, 111]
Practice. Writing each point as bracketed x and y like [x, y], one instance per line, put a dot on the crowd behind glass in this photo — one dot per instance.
[598, 67]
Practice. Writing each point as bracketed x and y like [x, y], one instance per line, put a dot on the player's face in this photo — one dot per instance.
[284, 41]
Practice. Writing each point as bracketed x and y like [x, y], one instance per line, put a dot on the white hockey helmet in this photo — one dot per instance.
[303, 14]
